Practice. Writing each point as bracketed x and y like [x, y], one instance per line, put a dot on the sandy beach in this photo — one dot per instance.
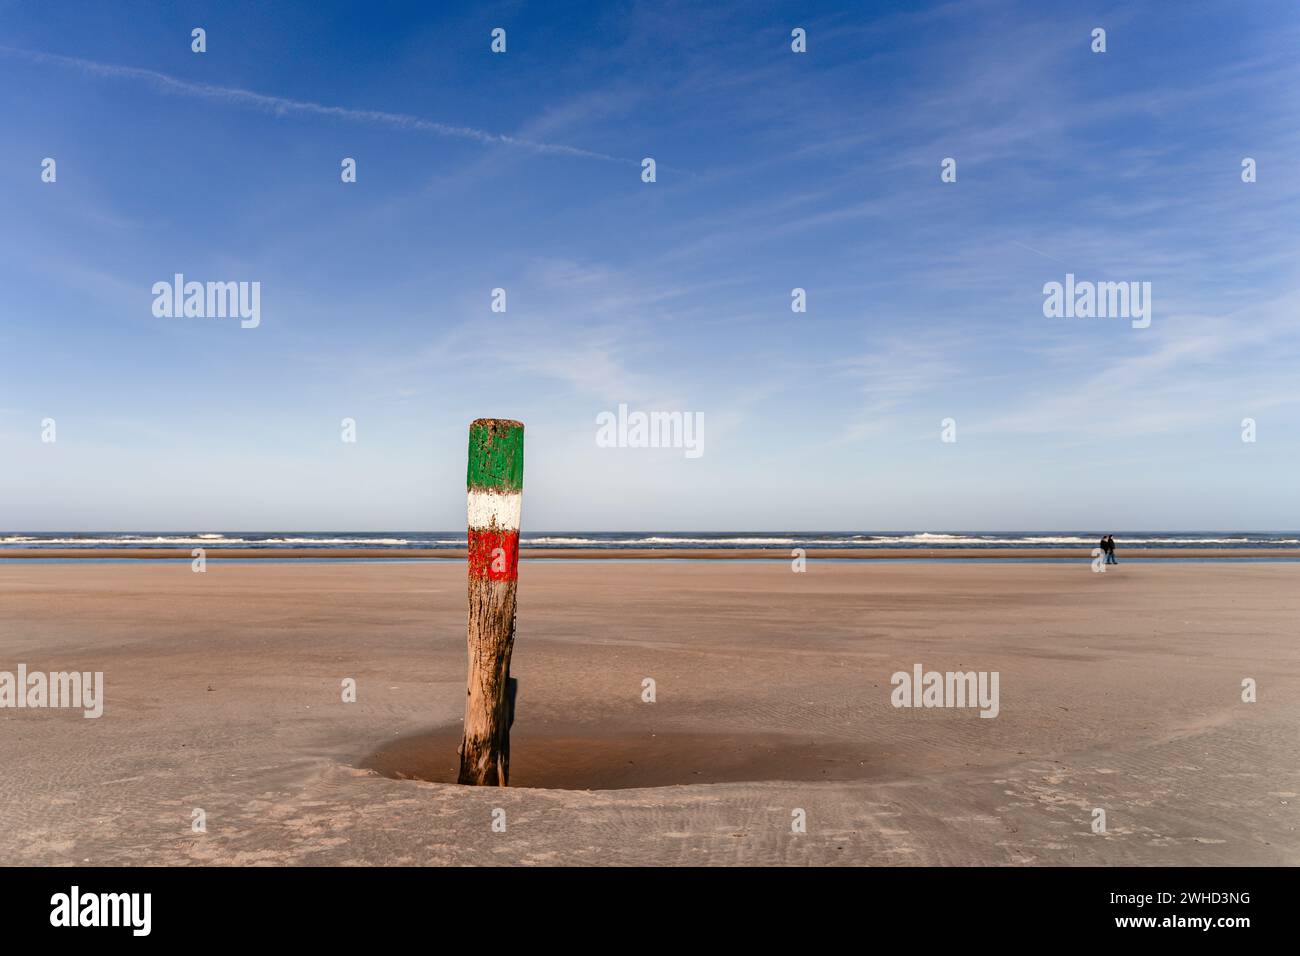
[1120, 691]
[642, 554]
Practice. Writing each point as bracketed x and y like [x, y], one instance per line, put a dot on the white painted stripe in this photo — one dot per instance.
[488, 508]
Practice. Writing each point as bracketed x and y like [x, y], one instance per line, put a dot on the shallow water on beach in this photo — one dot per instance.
[633, 540]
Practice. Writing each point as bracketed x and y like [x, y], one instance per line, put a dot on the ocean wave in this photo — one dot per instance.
[527, 539]
[340, 541]
[721, 541]
[629, 540]
[127, 541]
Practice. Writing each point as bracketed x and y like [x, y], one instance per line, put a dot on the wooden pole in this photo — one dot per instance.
[495, 482]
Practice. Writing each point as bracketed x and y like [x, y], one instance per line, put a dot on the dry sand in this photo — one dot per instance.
[1118, 690]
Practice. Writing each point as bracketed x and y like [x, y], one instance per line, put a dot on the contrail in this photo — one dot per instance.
[281, 106]
[1039, 252]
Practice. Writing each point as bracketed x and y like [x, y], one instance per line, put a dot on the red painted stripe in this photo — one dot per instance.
[494, 555]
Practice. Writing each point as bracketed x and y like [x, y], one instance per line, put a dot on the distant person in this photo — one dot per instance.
[1110, 549]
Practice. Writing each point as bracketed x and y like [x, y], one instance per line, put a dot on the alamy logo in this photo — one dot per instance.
[1101, 300]
[103, 909]
[949, 689]
[651, 430]
[208, 300]
[56, 689]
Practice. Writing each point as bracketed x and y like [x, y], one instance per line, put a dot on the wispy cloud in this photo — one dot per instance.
[890, 378]
[1177, 383]
[283, 106]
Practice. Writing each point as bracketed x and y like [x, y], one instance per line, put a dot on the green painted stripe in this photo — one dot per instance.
[496, 455]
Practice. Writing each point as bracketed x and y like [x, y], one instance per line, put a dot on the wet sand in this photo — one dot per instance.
[1119, 691]
[647, 554]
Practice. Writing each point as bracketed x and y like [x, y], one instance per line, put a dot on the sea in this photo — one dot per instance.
[673, 540]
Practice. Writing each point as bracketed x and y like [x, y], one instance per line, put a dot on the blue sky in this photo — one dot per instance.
[775, 170]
